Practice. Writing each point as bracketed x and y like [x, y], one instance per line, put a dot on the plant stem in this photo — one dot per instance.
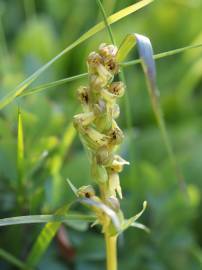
[111, 251]
[110, 241]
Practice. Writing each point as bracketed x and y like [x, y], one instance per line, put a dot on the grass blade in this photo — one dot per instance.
[12, 259]
[46, 86]
[20, 159]
[105, 21]
[20, 148]
[44, 219]
[111, 19]
[45, 237]
[163, 54]
[146, 55]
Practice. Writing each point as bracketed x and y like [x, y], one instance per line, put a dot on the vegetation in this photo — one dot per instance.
[40, 149]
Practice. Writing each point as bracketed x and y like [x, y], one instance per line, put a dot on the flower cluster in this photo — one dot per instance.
[100, 133]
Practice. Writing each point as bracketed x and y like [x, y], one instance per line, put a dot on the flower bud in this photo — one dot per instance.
[116, 135]
[83, 119]
[86, 191]
[93, 139]
[115, 111]
[114, 185]
[97, 82]
[103, 156]
[107, 50]
[117, 89]
[118, 163]
[94, 59]
[99, 173]
[108, 53]
[111, 65]
[83, 96]
[103, 116]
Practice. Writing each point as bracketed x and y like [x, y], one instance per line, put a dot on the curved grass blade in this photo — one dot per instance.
[44, 238]
[111, 19]
[146, 55]
[44, 219]
[108, 211]
[13, 260]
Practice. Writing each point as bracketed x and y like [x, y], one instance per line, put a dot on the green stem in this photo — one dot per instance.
[110, 241]
[111, 251]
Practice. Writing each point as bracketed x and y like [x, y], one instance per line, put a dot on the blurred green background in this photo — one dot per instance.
[31, 33]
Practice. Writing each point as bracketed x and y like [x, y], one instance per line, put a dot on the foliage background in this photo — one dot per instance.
[31, 33]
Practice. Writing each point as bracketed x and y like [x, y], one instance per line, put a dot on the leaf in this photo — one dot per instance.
[44, 238]
[13, 260]
[46, 86]
[140, 226]
[73, 188]
[108, 211]
[111, 19]
[127, 223]
[146, 55]
[45, 218]
[105, 21]
[20, 151]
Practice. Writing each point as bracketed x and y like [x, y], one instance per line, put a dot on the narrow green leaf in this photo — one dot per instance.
[105, 21]
[146, 55]
[45, 237]
[12, 260]
[45, 218]
[130, 221]
[111, 19]
[46, 86]
[140, 226]
[20, 152]
[73, 188]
